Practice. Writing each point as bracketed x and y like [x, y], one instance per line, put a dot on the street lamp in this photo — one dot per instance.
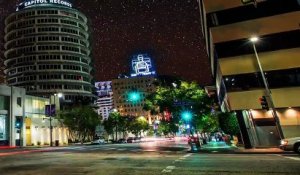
[268, 92]
[59, 95]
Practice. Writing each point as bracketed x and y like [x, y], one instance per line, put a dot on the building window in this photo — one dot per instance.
[19, 101]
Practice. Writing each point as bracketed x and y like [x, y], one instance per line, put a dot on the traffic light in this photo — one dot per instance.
[186, 115]
[263, 102]
[18, 122]
[134, 96]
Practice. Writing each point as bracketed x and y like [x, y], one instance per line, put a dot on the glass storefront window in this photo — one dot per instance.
[3, 127]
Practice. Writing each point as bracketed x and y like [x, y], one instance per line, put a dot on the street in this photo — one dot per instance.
[149, 158]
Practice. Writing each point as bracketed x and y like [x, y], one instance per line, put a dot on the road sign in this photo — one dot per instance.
[50, 111]
[182, 103]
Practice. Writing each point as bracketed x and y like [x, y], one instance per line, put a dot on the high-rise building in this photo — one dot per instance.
[228, 26]
[2, 78]
[129, 95]
[129, 92]
[105, 98]
[47, 49]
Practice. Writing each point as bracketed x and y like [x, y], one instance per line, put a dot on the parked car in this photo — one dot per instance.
[291, 144]
[137, 139]
[98, 141]
[130, 140]
[122, 141]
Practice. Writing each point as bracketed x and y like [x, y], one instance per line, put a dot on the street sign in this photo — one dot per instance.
[182, 103]
[50, 111]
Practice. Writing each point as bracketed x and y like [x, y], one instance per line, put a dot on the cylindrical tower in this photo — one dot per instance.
[47, 49]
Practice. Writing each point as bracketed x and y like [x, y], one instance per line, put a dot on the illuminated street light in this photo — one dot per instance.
[59, 95]
[267, 89]
[248, 1]
[115, 110]
[254, 39]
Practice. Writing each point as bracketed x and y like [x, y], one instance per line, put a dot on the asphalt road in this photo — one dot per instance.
[144, 159]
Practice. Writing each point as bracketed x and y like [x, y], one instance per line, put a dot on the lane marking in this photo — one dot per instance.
[78, 148]
[294, 158]
[168, 169]
[187, 155]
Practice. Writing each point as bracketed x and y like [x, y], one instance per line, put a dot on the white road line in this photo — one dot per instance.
[136, 150]
[294, 158]
[187, 155]
[78, 148]
[168, 169]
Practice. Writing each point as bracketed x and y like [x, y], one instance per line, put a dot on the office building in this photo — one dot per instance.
[105, 98]
[129, 92]
[23, 121]
[227, 27]
[47, 49]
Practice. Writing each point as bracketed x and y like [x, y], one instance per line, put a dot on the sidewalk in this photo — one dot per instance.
[222, 147]
[260, 151]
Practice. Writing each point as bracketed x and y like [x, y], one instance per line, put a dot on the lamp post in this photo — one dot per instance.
[268, 92]
[59, 95]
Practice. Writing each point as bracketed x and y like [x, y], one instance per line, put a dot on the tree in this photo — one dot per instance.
[112, 124]
[179, 97]
[124, 124]
[208, 123]
[81, 122]
[138, 125]
[229, 123]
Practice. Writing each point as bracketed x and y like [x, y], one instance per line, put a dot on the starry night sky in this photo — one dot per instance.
[168, 30]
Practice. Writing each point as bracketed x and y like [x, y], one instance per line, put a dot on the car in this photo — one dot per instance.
[194, 140]
[291, 144]
[130, 140]
[137, 139]
[99, 141]
[170, 138]
[122, 141]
